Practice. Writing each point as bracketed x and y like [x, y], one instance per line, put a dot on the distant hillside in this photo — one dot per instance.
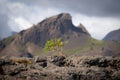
[113, 36]
[14, 32]
[11, 34]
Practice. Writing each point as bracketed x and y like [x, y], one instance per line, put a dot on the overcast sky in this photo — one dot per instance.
[98, 16]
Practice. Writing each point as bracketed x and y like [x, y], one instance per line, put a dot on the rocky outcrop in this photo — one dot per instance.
[60, 68]
[83, 28]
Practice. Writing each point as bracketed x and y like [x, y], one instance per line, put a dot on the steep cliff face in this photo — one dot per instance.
[59, 26]
[113, 36]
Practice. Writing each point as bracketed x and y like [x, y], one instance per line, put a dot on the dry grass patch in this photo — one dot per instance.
[22, 60]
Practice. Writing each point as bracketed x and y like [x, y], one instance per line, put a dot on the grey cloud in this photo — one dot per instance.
[91, 7]
[4, 28]
[9, 10]
[88, 7]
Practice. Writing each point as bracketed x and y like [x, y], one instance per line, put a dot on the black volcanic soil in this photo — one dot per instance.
[60, 68]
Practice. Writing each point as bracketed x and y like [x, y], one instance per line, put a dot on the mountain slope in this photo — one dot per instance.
[113, 36]
[59, 26]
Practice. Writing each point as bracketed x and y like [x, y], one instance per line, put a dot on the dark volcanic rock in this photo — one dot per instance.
[85, 68]
[42, 61]
[58, 60]
[14, 70]
[101, 62]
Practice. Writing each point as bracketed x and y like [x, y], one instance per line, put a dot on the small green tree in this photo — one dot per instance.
[55, 45]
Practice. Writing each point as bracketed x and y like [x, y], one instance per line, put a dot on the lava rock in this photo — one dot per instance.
[58, 60]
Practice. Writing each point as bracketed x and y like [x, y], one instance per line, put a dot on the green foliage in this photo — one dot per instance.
[55, 45]
[49, 45]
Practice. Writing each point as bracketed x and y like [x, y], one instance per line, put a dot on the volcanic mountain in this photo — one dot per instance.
[59, 26]
[113, 36]
[78, 41]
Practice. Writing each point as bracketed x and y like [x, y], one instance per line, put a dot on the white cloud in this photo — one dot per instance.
[97, 26]
[23, 16]
[24, 24]
[52, 11]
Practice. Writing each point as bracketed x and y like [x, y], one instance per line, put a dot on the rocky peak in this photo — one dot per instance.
[62, 16]
[57, 20]
[53, 27]
[81, 26]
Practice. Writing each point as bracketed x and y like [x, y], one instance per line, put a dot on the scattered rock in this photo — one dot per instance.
[100, 62]
[58, 60]
[61, 68]
[42, 61]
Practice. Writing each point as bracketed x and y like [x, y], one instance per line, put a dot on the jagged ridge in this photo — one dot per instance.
[59, 26]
